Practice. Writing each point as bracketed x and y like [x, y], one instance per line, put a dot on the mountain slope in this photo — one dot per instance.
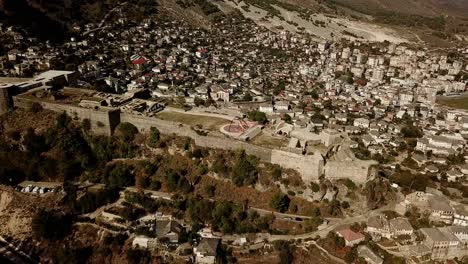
[415, 7]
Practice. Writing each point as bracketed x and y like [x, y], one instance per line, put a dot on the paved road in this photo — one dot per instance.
[289, 217]
[322, 233]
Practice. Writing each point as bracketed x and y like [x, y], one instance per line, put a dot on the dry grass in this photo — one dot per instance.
[206, 122]
[268, 141]
[311, 254]
[459, 102]
[259, 199]
[21, 119]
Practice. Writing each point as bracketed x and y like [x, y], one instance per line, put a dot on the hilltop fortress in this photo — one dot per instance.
[106, 111]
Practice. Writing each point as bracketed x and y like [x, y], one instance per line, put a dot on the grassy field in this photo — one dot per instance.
[459, 102]
[268, 141]
[206, 122]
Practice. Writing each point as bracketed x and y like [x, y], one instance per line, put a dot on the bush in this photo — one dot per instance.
[35, 107]
[210, 190]
[154, 137]
[86, 124]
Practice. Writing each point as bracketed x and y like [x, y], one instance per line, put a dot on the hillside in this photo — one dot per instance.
[414, 7]
[437, 22]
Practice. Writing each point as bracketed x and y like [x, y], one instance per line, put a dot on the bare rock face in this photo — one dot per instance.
[17, 210]
[5, 200]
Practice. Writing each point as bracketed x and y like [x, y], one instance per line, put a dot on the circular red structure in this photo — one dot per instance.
[233, 128]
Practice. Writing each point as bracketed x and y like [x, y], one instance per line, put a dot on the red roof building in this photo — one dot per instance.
[351, 238]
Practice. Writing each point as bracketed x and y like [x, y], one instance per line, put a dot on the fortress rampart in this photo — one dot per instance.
[104, 120]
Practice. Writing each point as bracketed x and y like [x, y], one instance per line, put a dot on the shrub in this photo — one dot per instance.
[154, 137]
[35, 107]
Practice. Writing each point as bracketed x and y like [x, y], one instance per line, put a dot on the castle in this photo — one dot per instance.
[104, 113]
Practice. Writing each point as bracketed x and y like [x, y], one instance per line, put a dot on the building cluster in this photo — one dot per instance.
[159, 231]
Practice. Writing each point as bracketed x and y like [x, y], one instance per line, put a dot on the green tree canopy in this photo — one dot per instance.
[126, 131]
[280, 202]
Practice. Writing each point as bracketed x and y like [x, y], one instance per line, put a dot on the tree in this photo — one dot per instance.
[51, 225]
[287, 118]
[73, 256]
[138, 256]
[33, 143]
[243, 171]
[154, 137]
[86, 124]
[63, 120]
[411, 131]
[280, 202]
[126, 131]
[314, 94]
[198, 101]
[258, 116]
[118, 176]
[284, 248]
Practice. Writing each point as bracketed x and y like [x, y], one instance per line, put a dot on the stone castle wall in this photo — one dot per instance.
[103, 121]
[5, 100]
[144, 123]
[310, 167]
[357, 170]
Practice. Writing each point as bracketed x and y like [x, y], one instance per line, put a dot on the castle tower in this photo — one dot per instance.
[6, 102]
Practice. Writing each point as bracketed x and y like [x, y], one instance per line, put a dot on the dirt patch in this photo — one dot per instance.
[17, 210]
[21, 119]
[206, 122]
[311, 254]
[268, 141]
[458, 102]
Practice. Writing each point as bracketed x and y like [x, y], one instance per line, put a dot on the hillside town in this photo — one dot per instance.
[342, 115]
